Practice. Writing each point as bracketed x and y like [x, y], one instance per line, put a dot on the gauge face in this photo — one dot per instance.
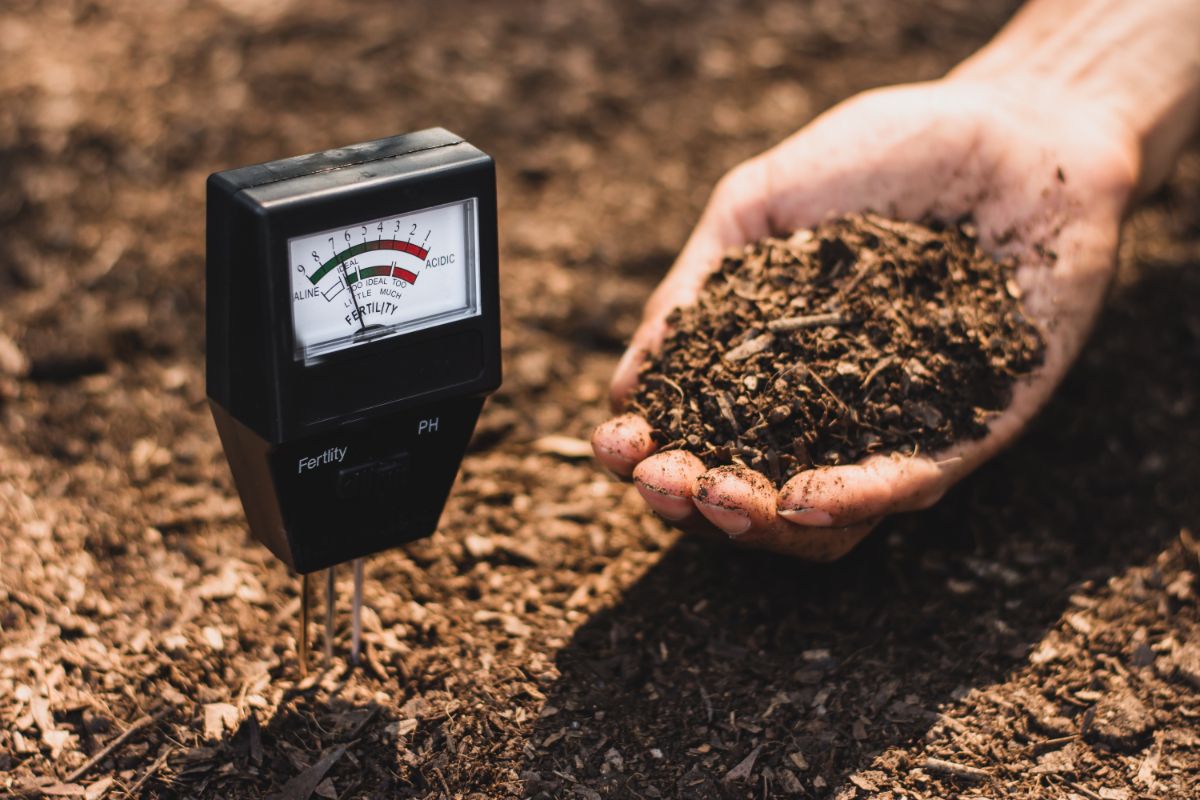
[383, 277]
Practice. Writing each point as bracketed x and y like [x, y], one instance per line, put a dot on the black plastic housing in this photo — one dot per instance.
[379, 399]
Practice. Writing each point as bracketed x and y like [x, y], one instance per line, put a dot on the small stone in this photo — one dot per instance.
[479, 547]
[13, 362]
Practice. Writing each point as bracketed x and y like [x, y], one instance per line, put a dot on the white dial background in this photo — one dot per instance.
[383, 277]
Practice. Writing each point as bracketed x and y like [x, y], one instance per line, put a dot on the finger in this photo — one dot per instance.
[810, 544]
[665, 481]
[845, 495]
[736, 214]
[621, 442]
[735, 499]
[742, 503]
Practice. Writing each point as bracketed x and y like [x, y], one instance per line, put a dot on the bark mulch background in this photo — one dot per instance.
[1036, 635]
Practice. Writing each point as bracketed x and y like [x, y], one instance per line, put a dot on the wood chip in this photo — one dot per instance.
[13, 362]
[943, 767]
[788, 324]
[742, 771]
[302, 786]
[218, 718]
[563, 446]
[98, 789]
[751, 347]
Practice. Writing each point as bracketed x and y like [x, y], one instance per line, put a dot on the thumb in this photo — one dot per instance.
[736, 214]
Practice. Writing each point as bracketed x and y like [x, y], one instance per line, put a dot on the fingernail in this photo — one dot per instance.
[616, 460]
[807, 516]
[665, 505]
[732, 522]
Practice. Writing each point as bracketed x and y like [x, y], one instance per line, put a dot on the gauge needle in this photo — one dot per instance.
[353, 296]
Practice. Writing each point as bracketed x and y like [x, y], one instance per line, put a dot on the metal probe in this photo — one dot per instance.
[356, 614]
[329, 607]
[303, 643]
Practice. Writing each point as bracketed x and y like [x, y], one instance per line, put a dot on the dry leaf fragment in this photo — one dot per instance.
[1149, 766]
[564, 446]
[742, 771]
[56, 740]
[98, 789]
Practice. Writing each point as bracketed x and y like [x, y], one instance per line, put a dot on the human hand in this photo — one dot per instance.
[1045, 180]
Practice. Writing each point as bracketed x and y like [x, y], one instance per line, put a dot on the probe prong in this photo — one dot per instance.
[302, 649]
[329, 607]
[356, 613]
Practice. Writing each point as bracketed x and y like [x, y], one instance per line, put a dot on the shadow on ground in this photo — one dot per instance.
[315, 737]
[802, 675]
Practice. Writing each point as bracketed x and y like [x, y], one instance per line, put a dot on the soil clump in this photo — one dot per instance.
[864, 335]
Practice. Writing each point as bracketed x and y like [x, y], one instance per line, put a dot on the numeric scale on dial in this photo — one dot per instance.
[352, 336]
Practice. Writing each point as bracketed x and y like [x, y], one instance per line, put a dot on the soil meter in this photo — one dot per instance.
[353, 334]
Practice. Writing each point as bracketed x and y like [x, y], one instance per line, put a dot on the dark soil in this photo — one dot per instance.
[863, 336]
[553, 639]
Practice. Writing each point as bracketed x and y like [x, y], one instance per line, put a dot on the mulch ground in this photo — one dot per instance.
[1035, 635]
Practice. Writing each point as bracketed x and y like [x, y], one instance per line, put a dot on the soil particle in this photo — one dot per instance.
[1187, 663]
[862, 336]
[1121, 721]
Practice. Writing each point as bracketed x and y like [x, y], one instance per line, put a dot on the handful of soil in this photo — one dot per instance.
[865, 335]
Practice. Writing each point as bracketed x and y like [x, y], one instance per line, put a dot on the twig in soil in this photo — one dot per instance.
[150, 773]
[1050, 744]
[879, 367]
[816, 378]
[1083, 790]
[673, 385]
[867, 263]
[708, 707]
[726, 408]
[956, 770]
[751, 347]
[442, 779]
[788, 324]
[108, 749]
[783, 373]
